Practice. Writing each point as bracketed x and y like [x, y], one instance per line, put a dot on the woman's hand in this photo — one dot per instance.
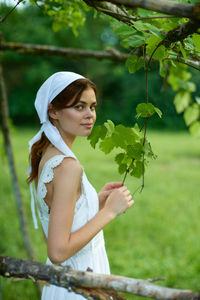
[118, 201]
[106, 191]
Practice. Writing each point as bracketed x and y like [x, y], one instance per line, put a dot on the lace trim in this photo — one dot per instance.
[47, 176]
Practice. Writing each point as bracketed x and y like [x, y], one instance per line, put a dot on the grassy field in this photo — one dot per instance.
[157, 237]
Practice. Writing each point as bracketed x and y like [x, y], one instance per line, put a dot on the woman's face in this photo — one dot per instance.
[79, 119]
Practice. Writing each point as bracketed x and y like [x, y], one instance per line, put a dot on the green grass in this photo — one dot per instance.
[157, 237]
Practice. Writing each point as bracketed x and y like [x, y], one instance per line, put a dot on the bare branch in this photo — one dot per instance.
[111, 54]
[111, 10]
[164, 6]
[119, 13]
[79, 281]
[3, 20]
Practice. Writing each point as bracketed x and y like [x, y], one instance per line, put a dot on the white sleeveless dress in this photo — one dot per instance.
[93, 255]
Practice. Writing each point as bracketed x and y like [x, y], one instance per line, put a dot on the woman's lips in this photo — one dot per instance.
[88, 125]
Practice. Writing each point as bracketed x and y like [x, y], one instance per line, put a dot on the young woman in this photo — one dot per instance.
[71, 213]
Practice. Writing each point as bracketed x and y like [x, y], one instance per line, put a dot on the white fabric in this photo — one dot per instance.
[93, 255]
[47, 92]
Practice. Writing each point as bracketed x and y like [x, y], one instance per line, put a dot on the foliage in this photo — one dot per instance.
[118, 92]
[135, 147]
[147, 34]
[70, 13]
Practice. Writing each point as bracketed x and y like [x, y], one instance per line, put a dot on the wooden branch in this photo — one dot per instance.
[111, 10]
[57, 275]
[164, 6]
[111, 54]
[4, 19]
[34, 49]
[7, 141]
[79, 281]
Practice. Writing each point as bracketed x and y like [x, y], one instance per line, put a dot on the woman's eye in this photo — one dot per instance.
[79, 107]
[93, 107]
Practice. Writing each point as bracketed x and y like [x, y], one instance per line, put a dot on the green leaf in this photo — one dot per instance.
[152, 42]
[195, 129]
[148, 150]
[99, 132]
[181, 101]
[119, 157]
[160, 53]
[144, 110]
[183, 52]
[110, 126]
[191, 114]
[134, 41]
[196, 41]
[137, 169]
[107, 145]
[124, 30]
[122, 168]
[158, 111]
[134, 63]
[135, 151]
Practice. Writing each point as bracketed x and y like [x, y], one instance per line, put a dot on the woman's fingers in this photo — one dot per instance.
[113, 185]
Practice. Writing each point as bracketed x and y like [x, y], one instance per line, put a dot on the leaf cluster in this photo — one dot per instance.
[179, 78]
[65, 14]
[134, 149]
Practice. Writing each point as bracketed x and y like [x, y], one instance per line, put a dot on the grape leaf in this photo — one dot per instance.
[99, 132]
[110, 126]
[119, 157]
[107, 145]
[122, 168]
[135, 151]
[137, 169]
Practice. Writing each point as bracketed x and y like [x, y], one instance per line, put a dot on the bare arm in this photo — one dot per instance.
[62, 244]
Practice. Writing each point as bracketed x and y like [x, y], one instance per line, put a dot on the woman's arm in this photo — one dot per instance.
[62, 244]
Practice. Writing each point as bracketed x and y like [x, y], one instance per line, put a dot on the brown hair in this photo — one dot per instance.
[72, 91]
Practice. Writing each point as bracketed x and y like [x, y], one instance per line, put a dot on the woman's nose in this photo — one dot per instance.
[89, 112]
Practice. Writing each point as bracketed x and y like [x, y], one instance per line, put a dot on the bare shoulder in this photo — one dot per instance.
[68, 167]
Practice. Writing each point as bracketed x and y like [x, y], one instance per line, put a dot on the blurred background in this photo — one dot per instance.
[160, 236]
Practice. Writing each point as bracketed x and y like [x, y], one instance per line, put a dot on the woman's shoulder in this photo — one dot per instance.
[55, 159]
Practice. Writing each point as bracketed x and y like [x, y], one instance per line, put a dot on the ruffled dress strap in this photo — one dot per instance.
[46, 176]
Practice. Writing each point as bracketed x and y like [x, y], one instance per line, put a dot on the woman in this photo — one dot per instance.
[71, 213]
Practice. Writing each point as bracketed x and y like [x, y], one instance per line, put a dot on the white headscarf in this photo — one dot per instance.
[45, 95]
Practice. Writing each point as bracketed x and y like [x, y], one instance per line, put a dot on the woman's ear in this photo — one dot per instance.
[52, 112]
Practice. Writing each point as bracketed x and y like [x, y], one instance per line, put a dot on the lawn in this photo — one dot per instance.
[157, 237]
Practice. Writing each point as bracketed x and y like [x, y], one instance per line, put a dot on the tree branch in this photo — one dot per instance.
[3, 20]
[111, 54]
[80, 282]
[164, 6]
